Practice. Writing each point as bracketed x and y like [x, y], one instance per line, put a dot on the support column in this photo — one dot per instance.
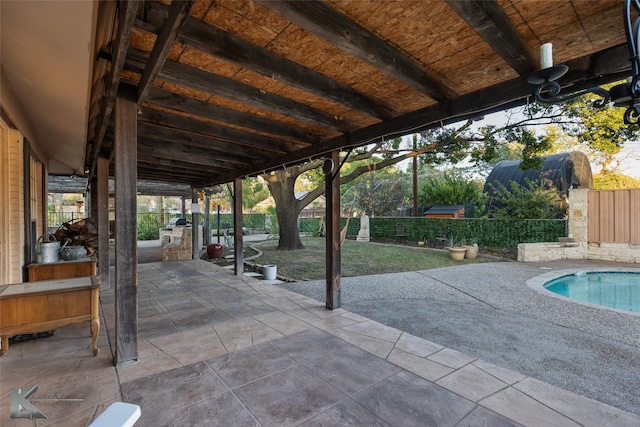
[195, 226]
[238, 237]
[332, 192]
[102, 208]
[207, 220]
[126, 271]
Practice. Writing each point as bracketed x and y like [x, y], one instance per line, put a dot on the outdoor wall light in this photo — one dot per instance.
[626, 95]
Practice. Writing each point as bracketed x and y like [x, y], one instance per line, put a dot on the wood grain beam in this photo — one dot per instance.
[487, 18]
[126, 19]
[216, 42]
[212, 130]
[185, 153]
[323, 21]
[195, 78]
[178, 12]
[196, 107]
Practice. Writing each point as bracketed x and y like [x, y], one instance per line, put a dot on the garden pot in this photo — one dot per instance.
[457, 253]
[269, 272]
[73, 253]
[214, 250]
[471, 251]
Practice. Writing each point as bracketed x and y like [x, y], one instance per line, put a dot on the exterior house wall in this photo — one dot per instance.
[12, 240]
[580, 247]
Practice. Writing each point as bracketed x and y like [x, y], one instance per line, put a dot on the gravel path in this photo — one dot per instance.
[488, 311]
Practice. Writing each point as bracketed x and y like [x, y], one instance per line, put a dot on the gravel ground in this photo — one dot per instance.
[488, 311]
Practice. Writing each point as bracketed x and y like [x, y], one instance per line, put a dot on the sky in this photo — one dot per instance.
[630, 153]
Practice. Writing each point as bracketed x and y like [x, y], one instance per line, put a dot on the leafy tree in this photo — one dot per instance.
[254, 190]
[614, 181]
[450, 189]
[375, 196]
[530, 201]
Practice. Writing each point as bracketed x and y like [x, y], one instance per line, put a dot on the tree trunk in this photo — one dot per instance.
[281, 186]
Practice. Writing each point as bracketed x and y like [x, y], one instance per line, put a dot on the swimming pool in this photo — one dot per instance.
[619, 290]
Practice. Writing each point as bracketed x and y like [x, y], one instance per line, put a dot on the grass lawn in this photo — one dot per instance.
[357, 258]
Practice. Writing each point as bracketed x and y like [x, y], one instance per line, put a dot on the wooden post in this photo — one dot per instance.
[102, 208]
[207, 219]
[415, 178]
[195, 226]
[126, 271]
[332, 182]
[238, 237]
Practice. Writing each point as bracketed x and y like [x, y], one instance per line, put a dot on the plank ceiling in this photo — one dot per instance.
[249, 86]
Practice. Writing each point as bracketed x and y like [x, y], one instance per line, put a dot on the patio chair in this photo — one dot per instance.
[441, 242]
[401, 233]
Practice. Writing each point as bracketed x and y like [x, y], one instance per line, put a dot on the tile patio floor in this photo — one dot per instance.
[218, 349]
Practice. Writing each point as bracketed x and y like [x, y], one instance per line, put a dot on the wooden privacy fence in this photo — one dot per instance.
[614, 216]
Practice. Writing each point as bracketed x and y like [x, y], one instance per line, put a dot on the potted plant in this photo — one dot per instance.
[471, 249]
[456, 250]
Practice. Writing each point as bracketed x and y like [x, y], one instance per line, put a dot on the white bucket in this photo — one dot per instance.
[269, 272]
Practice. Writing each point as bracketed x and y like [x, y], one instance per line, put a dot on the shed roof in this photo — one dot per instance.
[444, 209]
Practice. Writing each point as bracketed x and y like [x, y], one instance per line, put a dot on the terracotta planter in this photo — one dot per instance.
[457, 253]
[471, 251]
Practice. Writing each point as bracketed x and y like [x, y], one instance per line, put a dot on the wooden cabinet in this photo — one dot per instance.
[43, 306]
[61, 270]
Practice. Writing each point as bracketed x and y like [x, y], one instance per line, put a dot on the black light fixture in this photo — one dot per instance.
[625, 95]
[74, 175]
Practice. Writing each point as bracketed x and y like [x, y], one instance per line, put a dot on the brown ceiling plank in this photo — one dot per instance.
[492, 24]
[325, 22]
[178, 12]
[161, 147]
[218, 43]
[176, 165]
[185, 75]
[126, 20]
[239, 137]
[510, 94]
[196, 107]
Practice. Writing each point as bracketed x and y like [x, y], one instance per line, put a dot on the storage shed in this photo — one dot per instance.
[445, 211]
[561, 171]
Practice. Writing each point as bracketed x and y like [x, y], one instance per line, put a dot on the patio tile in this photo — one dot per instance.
[483, 417]
[350, 369]
[284, 323]
[345, 414]
[177, 388]
[422, 367]
[334, 322]
[198, 317]
[521, 408]
[472, 383]
[451, 358]
[237, 334]
[380, 348]
[408, 400]
[191, 346]
[224, 410]
[156, 326]
[287, 397]
[587, 412]
[250, 364]
[374, 329]
[150, 365]
[307, 345]
[415, 345]
[505, 375]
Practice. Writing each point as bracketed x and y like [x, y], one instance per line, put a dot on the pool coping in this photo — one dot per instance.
[537, 283]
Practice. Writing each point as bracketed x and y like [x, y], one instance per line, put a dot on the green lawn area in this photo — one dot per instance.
[358, 258]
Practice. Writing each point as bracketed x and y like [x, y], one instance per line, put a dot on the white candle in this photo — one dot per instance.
[546, 56]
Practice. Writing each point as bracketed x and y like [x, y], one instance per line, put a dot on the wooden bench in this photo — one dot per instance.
[33, 307]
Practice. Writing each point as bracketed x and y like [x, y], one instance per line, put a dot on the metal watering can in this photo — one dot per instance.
[48, 251]
[72, 253]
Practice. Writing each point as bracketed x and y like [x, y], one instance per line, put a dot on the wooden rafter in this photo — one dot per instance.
[325, 22]
[491, 23]
[178, 12]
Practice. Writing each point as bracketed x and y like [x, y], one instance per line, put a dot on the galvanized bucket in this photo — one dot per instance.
[49, 250]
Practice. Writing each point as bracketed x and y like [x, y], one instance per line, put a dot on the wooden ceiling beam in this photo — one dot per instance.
[510, 94]
[205, 144]
[126, 20]
[247, 139]
[195, 78]
[216, 42]
[323, 21]
[487, 18]
[187, 153]
[196, 107]
[178, 12]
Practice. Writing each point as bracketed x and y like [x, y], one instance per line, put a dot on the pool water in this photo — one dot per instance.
[619, 290]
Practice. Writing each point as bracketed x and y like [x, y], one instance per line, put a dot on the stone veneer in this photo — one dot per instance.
[579, 248]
